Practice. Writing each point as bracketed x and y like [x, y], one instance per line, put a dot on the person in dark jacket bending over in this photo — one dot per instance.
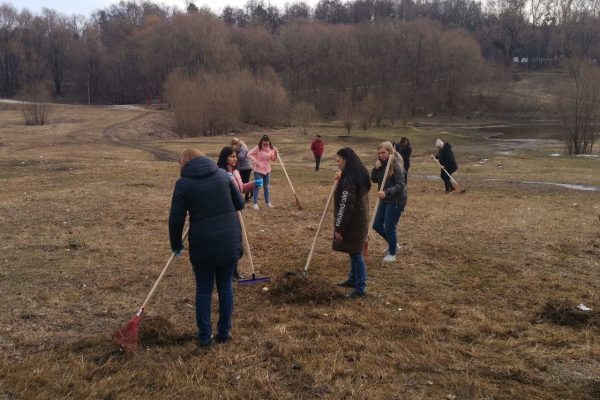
[317, 147]
[351, 204]
[392, 197]
[405, 149]
[446, 157]
[212, 200]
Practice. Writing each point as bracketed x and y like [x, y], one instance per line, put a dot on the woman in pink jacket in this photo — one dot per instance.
[262, 156]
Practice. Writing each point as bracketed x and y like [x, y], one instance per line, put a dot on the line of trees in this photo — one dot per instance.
[125, 52]
[368, 59]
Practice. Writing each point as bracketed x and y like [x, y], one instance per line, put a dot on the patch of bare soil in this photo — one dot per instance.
[97, 350]
[113, 134]
[159, 331]
[593, 390]
[295, 288]
[566, 313]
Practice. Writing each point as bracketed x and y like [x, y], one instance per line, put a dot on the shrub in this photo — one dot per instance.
[263, 101]
[36, 108]
[206, 104]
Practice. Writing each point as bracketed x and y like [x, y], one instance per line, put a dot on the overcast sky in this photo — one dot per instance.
[87, 7]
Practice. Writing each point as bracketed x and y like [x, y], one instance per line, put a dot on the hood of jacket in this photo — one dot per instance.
[199, 167]
[447, 146]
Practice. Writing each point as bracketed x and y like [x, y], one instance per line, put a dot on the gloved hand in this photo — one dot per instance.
[258, 182]
[177, 253]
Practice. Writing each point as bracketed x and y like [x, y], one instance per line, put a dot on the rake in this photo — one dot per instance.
[254, 279]
[454, 183]
[127, 336]
[312, 247]
[385, 174]
[290, 182]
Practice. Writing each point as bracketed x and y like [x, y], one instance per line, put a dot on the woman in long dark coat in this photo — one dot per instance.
[351, 204]
[212, 200]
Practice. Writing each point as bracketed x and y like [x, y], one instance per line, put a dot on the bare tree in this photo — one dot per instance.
[460, 69]
[492, 88]
[346, 112]
[303, 116]
[367, 111]
[578, 106]
[60, 36]
[507, 27]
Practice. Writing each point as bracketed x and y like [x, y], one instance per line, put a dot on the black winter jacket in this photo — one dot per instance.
[395, 185]
[446, 158]
[210, 197]
[405, 152]
[350, 213]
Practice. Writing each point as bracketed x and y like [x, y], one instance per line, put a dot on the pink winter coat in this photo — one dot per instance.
[262, 159]
[237, 180]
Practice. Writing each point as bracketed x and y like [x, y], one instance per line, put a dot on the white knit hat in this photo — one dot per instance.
[439, 143]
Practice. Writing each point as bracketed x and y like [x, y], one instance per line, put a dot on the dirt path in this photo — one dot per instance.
[111, 133]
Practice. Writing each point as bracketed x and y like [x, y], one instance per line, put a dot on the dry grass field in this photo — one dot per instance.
[480, 304]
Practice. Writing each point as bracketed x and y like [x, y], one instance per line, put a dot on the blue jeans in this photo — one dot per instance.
[266, 178]
[358, 272]
[205, 280]
[386, 221]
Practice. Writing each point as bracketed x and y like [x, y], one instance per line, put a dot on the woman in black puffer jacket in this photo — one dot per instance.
[446, 158]
[392, 198]
[215, 238]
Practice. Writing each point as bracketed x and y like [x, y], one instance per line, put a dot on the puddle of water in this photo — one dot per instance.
[566, 186]
[593, 156]
[525, 131]
[571, 186]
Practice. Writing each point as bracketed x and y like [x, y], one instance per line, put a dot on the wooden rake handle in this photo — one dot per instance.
[246, 242]
[288, 179]
[162, 274]
[385, 174]
[444, 169]
[312, 247]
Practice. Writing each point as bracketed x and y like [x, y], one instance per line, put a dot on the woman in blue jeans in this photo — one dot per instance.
[392, 196]
[351, 204]
[212, 200]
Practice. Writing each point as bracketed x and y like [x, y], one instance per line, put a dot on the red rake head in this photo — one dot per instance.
[127, 337]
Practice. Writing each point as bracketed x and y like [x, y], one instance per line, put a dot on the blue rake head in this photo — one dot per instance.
[254, 280]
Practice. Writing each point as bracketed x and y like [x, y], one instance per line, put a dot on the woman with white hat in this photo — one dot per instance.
[446, 158]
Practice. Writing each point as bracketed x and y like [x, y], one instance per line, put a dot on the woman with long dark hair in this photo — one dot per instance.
[351, 204]
[405, 149]
[228, 162]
